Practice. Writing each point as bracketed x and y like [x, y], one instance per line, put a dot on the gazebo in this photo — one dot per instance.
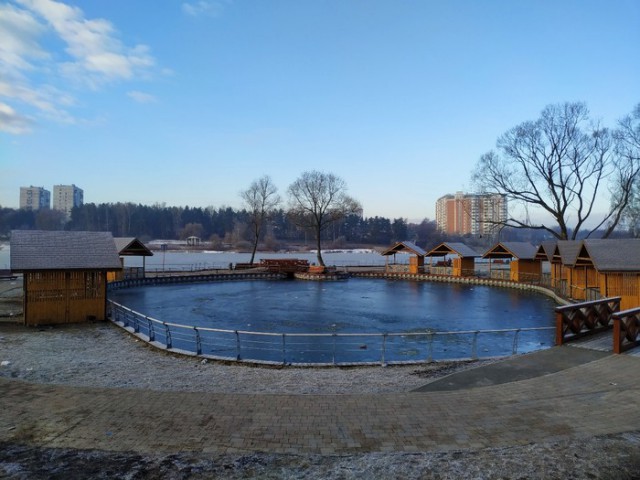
[524, 266]
[416, 261]
[464, 261]
[65, 274]
[130, 247]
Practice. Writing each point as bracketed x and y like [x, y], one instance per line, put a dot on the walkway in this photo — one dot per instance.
[598, 397]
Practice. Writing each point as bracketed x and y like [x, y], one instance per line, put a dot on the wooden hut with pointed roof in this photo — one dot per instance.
[612, 267]
[464, 257]
[550, 270]
[65, 274]
[523, 264]
[130, 247]
[564, 276]
[416, 260]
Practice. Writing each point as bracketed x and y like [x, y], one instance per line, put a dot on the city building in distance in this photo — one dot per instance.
[470, 213]
[65, 197]
[34, 198]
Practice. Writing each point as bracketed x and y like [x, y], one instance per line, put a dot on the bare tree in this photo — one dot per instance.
[627, 144]
[260, 199]
[558, 163]
[317, 200]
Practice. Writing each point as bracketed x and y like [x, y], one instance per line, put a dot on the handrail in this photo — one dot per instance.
[578, 320]
[626, 330]
[191, 339]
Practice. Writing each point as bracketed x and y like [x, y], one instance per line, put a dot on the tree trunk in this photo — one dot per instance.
[320, 261]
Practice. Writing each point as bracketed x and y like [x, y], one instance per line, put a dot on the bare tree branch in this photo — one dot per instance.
[559, 164]
[317, 200]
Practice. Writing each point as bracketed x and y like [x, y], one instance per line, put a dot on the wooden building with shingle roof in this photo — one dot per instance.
[613, 267]
[416, 260]
[464, 257]
[65, 274]
[595, 268]
[130, 247]
[524, 266]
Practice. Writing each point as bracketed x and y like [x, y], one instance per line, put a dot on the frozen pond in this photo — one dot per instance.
[368, 306]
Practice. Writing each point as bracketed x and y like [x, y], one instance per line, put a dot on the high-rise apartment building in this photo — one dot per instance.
[468, 213]
[65, 197]
[34, 198]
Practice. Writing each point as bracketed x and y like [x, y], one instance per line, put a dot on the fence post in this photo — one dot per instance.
[334, 348]
[514, 349]
[152, 333]
[284, 349]
[474, 347]
[559, 328]
[237, 345]
[136, 323]
[617, 335]
[198, 342]
[168, 335]
[384, 348]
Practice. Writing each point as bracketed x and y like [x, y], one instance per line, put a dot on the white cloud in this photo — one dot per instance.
[97, 55]
[208, 8]
[93, 57]
[141, 97]
[18, 39]
[12, 122]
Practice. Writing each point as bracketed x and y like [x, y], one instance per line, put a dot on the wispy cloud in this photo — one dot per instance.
[12, 122]
[208, 8]
[93, 57]
[141, 97]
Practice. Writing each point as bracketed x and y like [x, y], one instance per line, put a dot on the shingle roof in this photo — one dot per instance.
[546, 250]
[615, 254]
[458, 248]
[519, 250]
[404, 246]
[568, 251]
[40, 250]
[132, 246]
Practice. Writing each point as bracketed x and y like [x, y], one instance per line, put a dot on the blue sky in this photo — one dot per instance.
[188, 102]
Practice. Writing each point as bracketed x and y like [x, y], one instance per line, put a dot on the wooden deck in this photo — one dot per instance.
[602, 342]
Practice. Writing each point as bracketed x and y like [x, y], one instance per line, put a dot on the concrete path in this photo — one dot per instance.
[519, 367]
[598, 397]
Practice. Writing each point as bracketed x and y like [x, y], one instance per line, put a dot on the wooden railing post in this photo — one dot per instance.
[559, 328]
[617, 337]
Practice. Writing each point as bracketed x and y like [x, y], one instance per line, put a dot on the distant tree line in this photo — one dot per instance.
[231, 228]
[226, 227]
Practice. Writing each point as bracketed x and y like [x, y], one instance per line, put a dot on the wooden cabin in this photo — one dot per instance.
[416, 260]
[564, 261]
[65, 274]
[464, 261]
[612, 267]
[523, 264]
[130, 247]
[548, 268]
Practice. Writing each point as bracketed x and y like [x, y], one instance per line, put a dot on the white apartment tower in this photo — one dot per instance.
[34, 198]
[65, 197]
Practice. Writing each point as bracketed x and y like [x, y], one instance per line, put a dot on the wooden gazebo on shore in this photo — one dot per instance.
[523, 264]
[65, 274]
[416, 261]
[130, 247]
[464, 257]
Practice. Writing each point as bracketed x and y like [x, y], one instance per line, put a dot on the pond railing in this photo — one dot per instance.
[319, 349]
[626, 330]
[578, 320]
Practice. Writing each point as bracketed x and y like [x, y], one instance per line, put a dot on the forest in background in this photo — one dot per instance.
[228, 228]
